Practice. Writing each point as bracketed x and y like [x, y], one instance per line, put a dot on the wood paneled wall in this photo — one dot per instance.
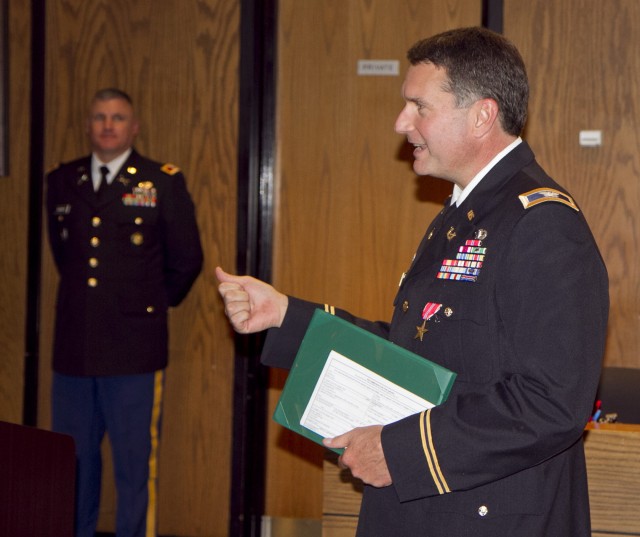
[14, 198]
[179, 61]
[350, 210]
[584, 70]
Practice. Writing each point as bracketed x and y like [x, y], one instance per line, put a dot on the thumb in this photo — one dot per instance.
[339, 441]
[224, 276]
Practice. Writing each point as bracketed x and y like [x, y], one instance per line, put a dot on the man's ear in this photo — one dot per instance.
[486, 115]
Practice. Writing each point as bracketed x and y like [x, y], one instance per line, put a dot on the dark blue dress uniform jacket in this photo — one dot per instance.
[123, 259]
[503, 456]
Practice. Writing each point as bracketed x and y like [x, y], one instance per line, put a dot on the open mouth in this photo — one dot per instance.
[418, 148]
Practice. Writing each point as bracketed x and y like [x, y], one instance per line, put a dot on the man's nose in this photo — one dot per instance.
[402, 125]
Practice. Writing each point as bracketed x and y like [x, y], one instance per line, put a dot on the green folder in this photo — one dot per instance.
[332, 349]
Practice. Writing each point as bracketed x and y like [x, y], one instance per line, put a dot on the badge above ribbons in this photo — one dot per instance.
[143, 195]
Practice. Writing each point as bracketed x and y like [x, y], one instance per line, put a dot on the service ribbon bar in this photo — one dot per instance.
[467, 264]
[472, 250]
[460, 277]
[461, 263]
[470, 257]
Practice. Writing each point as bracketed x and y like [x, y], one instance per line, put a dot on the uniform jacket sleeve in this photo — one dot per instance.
[183, 250]
[57, 209]
[282, 343]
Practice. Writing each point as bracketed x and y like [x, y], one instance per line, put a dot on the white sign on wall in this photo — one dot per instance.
[378, 67]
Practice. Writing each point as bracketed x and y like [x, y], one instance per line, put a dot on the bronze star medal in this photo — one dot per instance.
[421, 330]
[429, 310]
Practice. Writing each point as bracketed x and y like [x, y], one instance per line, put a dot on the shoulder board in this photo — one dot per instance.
[170, 169]
[540, 195]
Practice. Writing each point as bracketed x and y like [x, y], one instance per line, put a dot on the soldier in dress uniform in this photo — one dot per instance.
[124, 237]
[507, 289]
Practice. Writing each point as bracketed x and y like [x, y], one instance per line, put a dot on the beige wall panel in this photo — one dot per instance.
[180, 65]
[613, 467]
[584, 67]
[14, 199]
[339, 526]
[350, 210]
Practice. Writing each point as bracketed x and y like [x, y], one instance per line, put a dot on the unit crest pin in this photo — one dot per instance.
[480, 234]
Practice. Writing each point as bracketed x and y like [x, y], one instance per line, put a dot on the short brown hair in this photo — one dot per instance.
[480, 64]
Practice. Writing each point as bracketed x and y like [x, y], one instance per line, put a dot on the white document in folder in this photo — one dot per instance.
[348, 395]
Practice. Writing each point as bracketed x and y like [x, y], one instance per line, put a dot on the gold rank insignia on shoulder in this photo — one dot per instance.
[540, 195]
[170, 169]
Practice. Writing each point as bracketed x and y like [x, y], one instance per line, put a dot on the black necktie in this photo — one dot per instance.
[433, 228]
[443, 215]
[449, 207]
[102, 187]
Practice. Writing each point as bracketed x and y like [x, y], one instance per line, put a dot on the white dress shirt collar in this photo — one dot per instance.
[113, 165]
[459, 194]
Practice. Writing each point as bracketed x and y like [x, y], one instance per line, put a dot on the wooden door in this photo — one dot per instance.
[179, 62]
[350, 211]
[14, 207]
[584, 70]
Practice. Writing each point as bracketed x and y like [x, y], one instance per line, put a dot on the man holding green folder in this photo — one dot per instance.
[507, 289]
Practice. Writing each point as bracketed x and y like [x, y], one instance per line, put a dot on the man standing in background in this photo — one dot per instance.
[124, 238]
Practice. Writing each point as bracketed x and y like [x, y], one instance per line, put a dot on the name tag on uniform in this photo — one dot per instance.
[62, 209]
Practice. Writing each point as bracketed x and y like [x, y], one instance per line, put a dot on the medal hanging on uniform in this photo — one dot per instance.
[429, 310]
